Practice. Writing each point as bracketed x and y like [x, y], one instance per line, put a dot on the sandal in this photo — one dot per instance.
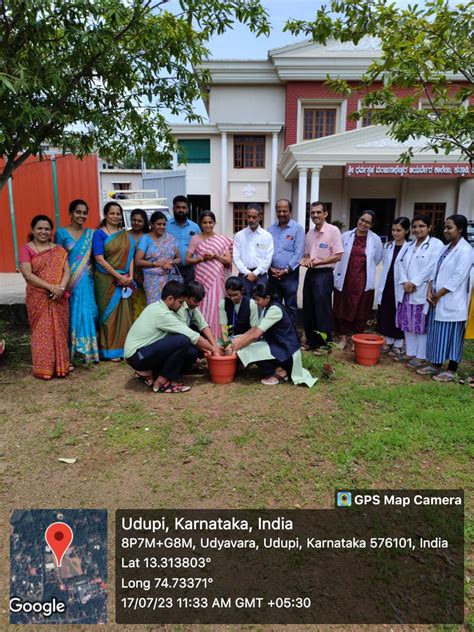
[415, 363]
[386, 349]
[273, 380]
[146, 379]
[468, 380]
[395, 352]
[428, 370]
[445, 377]
[171, 387]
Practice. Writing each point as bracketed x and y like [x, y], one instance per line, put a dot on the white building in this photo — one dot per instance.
[275, 130]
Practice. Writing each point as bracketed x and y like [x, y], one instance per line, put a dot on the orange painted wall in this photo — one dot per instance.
[33, 194]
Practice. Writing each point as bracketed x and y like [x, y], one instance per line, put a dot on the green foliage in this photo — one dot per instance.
[427, 49]
[98, 75]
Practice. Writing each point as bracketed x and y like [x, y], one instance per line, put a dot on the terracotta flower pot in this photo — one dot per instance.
[367, 348]
[222, 368]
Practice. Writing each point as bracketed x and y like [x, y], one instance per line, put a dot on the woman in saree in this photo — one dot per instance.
[113, 249]
[274, 343]
[83, 312]
[139, 222]
[211, 254]
[157, 254]
[45, 269]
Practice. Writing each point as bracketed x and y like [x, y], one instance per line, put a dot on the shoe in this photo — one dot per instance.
[273, 380]
[171, 387]
[446, 376]
[415, 363]
[428, 370]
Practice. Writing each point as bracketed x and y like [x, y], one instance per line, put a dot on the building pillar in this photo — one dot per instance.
[466, 198]
[224, 204]
[302, 188]
[315, 171]
[274, 174]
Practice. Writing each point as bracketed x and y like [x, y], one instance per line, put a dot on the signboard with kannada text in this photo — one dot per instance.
[415, 170]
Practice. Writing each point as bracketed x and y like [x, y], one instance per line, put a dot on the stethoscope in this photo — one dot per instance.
[424, 246]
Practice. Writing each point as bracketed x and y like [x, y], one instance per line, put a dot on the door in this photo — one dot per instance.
[384, 210]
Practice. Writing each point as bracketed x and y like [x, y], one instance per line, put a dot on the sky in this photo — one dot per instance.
[240, 43]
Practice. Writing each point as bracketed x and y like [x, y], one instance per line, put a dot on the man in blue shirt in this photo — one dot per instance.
[183, 229]
[288, 241]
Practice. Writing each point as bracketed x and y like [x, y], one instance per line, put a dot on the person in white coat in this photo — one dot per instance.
[415, 269]
[390, 292]
[448, 297]
[354, 278]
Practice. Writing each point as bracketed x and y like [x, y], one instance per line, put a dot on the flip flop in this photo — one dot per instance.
[444, 377]
[276, 379]
[428, 370]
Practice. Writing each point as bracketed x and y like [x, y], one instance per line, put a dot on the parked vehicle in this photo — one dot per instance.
[145, 199]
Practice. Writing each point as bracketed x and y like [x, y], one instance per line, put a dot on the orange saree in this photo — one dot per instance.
[49, 320]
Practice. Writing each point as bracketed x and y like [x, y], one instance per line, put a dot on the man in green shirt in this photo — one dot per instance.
[191, 315]
[159, 342]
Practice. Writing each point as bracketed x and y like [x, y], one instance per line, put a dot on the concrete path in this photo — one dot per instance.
[12, 288]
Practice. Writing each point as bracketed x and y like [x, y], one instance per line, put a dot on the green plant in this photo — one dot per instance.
[338, 224]
[227, 342]
[328, 369]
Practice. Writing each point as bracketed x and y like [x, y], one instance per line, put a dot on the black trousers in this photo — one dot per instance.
[166, 357]
[249, 286]
[268, 367]
[287, 289]
[187, 273]
[317, 305]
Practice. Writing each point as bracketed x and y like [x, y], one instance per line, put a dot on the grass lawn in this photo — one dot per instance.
[238, 446]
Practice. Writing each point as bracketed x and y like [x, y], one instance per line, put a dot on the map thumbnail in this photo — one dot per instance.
[43, 592]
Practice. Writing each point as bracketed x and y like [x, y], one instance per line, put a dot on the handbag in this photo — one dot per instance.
[175, 275]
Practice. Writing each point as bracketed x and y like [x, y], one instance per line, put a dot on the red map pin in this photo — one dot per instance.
[58, 537]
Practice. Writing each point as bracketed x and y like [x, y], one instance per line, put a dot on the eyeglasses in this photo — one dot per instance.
[367, 222]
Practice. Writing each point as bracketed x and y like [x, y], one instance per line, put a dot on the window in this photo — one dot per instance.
[249, 152]
[367, 118]
[318, 123]
[194, 151]
[437, 212]
[122, 186]
[240, 220]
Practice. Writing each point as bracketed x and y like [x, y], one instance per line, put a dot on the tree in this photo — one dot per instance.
[429, 50]
[134, 161]
[98, 75]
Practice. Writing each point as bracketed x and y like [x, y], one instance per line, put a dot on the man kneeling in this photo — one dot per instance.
[191, 315]
[159, 342]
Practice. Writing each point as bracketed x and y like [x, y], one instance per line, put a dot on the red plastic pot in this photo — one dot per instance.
[222, 368]
[367, 348]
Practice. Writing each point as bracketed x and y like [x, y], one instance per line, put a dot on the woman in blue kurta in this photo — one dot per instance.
[113, 249]
[278, 354]
[83, 312]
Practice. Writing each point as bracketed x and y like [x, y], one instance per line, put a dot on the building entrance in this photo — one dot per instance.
[384, 210]
[198, 204]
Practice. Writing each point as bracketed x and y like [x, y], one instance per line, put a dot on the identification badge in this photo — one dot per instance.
[323, 245]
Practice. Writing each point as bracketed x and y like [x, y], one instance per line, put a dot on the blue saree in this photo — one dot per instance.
[83, 312]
